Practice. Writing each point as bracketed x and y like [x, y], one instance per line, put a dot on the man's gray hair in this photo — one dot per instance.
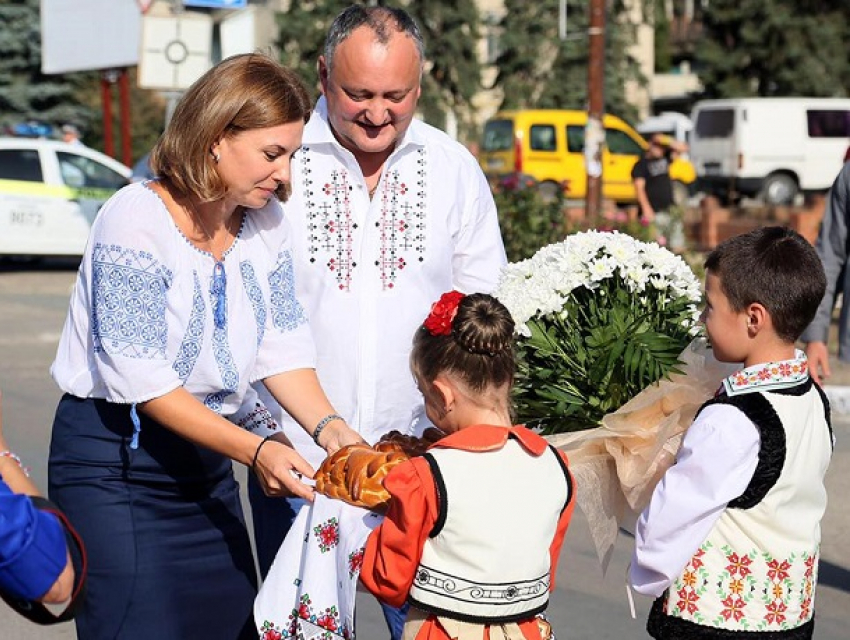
[383, 21]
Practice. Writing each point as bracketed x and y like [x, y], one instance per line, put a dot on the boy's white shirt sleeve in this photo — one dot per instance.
[714, 465]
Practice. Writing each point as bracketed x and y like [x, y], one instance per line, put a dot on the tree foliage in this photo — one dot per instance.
[536, 69]
[451, 31]
[25, 93]
[775, 48]
[301, 36]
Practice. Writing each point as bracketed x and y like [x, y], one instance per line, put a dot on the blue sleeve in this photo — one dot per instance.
[32, 547]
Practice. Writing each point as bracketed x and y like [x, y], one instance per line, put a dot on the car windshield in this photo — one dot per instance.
[498, 135]
[79, 171]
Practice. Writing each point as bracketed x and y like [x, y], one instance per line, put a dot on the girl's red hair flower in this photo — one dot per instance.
[439, 321]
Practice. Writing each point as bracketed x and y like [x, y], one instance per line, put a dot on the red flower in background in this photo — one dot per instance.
[439, 321]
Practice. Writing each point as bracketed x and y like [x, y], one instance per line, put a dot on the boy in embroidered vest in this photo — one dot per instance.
[474, 528]
[729, 542]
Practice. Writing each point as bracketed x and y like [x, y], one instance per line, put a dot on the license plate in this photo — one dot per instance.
[495, 163]
[712, 168]
[26, 218]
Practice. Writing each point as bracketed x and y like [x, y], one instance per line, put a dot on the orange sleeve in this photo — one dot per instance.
[563, 523]
[394, 548]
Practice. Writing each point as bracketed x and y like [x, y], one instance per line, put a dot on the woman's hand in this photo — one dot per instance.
[337, 435]
[279, 468]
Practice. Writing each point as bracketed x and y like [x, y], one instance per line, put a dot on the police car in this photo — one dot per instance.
[50, 192]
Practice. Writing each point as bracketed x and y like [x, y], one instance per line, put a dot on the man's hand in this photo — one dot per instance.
[337, 435]
[818, 356]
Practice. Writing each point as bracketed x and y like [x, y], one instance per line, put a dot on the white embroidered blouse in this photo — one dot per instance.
[143, 322]
[714, 465]
[369, 270]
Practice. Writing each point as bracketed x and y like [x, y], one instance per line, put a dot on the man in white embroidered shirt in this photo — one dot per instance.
[387, 213]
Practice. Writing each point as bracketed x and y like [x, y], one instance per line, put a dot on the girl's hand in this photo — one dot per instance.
[337, 435]
[279, 468]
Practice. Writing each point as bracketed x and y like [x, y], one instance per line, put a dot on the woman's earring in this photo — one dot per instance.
[216, 157]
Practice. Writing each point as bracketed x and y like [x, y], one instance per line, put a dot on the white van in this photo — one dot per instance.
[773, 148]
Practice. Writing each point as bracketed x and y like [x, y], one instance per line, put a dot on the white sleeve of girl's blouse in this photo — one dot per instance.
[714, 465]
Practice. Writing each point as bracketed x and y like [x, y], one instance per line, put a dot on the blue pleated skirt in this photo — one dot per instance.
[169, 553]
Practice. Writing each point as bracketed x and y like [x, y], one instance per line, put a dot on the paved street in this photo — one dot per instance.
[586, 604]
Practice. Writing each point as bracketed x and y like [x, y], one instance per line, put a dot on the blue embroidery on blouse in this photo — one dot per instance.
[287, 312]
[128, 302]
[215, 400]
[218, 292]
[190, 347]
[255, 295]
[224, 360]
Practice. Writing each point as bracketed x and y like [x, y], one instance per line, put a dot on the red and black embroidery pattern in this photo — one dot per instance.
[400, 222]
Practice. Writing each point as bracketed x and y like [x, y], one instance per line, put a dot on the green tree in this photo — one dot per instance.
[663, 54]
[774, 48]
[536, 69]
[26, 93]
[301, 35]
[451, 31]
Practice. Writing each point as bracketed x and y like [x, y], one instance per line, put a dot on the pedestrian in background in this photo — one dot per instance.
[387, 213]
[833, 251]
[654, 188]
[184, 298]
[71, 135]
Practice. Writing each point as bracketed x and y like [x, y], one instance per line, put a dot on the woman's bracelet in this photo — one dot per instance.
[16, 459]
[324, 422]
[257, 452]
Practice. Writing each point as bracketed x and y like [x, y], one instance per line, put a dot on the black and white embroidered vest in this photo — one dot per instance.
[755, 574]
[487, 559]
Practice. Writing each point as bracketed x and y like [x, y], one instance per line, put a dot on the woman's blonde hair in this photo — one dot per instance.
[243, 92]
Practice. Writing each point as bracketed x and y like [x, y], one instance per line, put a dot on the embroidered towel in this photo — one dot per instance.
[310, 590]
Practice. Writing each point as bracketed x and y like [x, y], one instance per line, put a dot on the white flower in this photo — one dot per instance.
[542, 284]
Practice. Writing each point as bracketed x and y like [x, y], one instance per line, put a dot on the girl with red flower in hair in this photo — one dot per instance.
[462, 541]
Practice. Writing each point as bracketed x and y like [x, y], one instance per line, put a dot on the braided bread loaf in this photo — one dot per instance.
[355, 473]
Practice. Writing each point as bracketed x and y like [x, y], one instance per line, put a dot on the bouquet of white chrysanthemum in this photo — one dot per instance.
[600, 317]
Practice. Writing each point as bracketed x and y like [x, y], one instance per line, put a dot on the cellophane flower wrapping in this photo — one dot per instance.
[611, 367]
